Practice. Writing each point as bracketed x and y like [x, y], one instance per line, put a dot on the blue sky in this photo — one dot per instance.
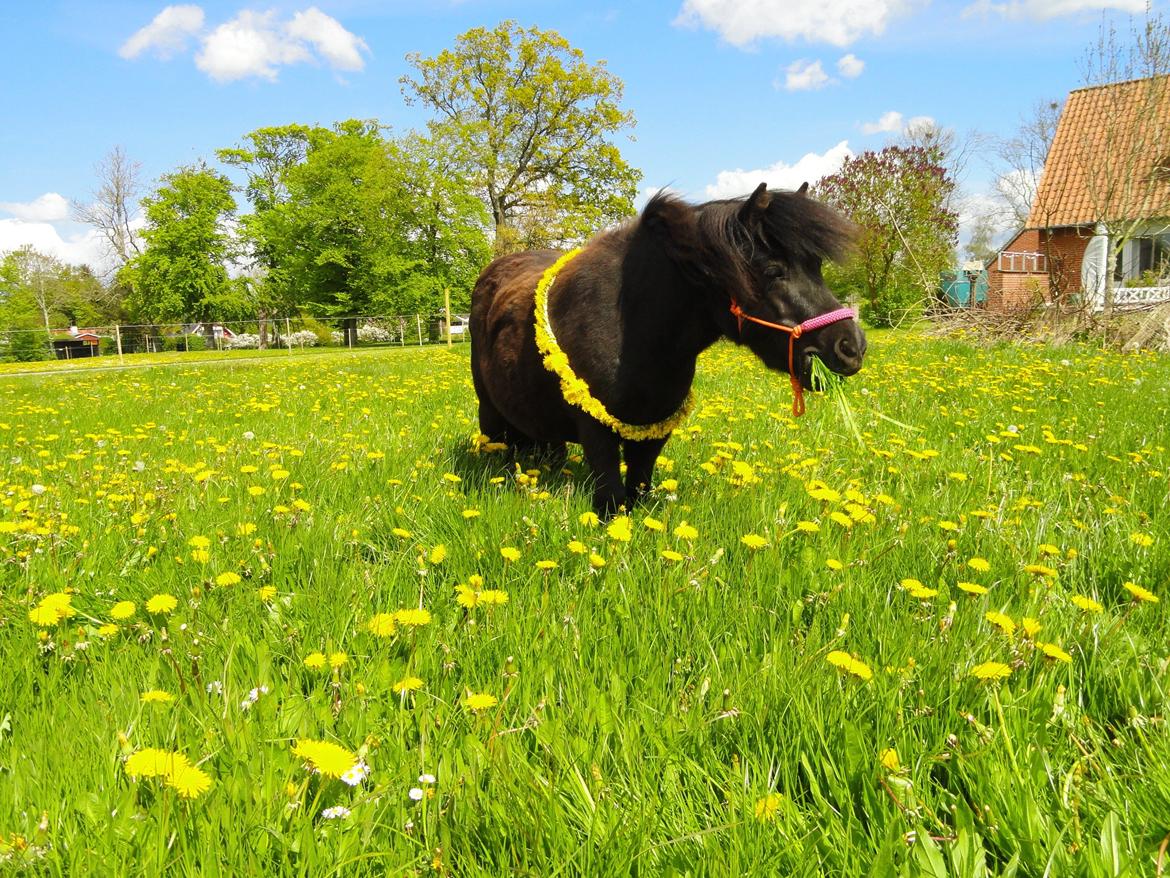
[718, 86]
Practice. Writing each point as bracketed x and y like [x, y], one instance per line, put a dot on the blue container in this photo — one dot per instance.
[955, 287]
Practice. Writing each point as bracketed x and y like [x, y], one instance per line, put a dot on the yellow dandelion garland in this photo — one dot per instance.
[574, 390]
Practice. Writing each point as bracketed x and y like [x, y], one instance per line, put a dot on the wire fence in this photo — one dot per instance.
[197, 336]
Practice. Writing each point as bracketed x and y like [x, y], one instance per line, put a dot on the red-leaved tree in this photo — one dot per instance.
[898, 197]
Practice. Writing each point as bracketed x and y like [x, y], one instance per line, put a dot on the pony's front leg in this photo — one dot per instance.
[603, 452]
[640, 459]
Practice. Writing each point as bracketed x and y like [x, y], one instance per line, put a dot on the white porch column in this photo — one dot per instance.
[1095, 267]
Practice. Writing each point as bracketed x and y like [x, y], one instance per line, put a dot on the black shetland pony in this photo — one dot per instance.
[637, 306]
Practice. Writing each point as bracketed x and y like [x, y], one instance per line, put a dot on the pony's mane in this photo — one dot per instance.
[711, 243]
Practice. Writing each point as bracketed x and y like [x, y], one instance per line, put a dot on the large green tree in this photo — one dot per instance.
[182, 272]
[532, 125]
[898, 197]
[266, 157]
[370, 225]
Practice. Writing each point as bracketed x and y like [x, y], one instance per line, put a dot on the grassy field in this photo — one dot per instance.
[283, 617]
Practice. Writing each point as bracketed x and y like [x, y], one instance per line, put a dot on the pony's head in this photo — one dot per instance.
[773, 246]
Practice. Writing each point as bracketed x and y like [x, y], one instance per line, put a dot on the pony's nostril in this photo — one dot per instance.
[846, 350]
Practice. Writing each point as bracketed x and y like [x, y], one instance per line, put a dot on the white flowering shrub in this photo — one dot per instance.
[242, 341]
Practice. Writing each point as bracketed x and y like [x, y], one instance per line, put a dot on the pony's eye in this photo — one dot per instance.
[776, 271]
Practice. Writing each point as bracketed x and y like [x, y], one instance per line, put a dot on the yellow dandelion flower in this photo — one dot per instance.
[1041, 570]
[413, 618]
[315, 661]
[546, 564]
[108, 630]
[325, 757]
[596, 561]
[438, 554]
[841, 518]
[199, 542]
[1048, 550]
[577, 547]
[493, 597]
[845, 662]
[753, 541]
[981, 565]
[808, 527]
[228, 578]
[279, 475]
[991, 671]
[407, 684]
[382, 625]
[1140, 594]
[620, 529]
[671, 555]
[653, 524]
[1141, 539]
[1086, 603]
[466, 597]
[189, 781]
[767, 806]
[889, 759]
[151, 762]
[43, 616]
[123, 610]
[337, 659]
[477, 701]
[686, 532]
[1031, 626]
[266, 592]
[157, 696]
[1054, 652]
[972, 588]
[401, 532]
[470, 513]
[1002, 621]
[510, 553]
[589, 519]
[161, 604]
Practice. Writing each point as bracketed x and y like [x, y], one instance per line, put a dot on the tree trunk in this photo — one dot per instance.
[349, 330]
[262, 318]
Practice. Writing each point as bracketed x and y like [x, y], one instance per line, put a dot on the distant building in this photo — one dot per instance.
[1064, 249]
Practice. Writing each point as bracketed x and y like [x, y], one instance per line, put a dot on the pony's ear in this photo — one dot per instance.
[803, 190]
[756, 204]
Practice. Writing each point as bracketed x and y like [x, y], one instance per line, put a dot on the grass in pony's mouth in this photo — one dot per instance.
[824, 380]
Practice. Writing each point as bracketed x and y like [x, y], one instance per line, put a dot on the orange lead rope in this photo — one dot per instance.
[794, 332]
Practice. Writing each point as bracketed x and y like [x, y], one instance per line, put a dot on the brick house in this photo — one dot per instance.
[1098, 168]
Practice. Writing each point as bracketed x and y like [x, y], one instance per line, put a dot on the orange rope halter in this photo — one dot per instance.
[794, 332]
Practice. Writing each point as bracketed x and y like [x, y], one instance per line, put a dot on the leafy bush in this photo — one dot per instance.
[26, 346]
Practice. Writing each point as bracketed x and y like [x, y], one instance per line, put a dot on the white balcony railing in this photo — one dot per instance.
[1023, 263]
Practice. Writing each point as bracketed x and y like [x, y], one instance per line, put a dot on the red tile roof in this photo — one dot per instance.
[1110, 158]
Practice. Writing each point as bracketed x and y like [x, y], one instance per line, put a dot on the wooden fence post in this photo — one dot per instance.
[118, 336]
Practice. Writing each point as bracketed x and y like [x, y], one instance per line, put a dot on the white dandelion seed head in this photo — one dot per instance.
[426, 778]
[337, 812]
[415, 794]
[38, 489]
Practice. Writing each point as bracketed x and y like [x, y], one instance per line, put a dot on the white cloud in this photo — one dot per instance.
[81, 247]
[837, 22]
[1045, 9]
[805, 76]
[167, 34]
[252, 44]
[342, 49]
[891, 121]
[850, 66]
[894, 122]
[808, 169]
[48, 208]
